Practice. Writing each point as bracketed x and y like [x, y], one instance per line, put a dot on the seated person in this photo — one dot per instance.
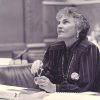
[71, 64]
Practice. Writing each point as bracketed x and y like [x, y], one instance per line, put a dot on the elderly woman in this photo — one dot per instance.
[71, 63]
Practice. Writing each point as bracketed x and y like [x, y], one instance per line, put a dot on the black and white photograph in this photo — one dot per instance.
[49, 49]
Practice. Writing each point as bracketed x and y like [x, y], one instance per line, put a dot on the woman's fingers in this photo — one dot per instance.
[36, 65]
[43, 77]
[39, 81]
[45, 84]
[42, 80]
[42, 87]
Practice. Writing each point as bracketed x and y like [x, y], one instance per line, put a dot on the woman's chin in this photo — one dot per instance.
[60, 36]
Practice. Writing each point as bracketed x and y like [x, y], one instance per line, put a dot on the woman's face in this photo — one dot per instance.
[66, 28]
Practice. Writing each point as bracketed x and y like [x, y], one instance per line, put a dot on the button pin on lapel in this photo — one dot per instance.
[75, 76]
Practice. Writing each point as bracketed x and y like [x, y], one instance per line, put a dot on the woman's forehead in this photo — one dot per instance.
[66, 18]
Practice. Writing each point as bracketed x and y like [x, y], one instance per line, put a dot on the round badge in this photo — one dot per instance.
[75, 76]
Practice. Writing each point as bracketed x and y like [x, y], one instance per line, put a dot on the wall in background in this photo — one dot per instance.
[25, 22]
[20, 23]
[50, 9]
[11, 24]
[33, 21]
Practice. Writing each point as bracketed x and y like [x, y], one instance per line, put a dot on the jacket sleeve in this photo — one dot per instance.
[87, 72]
[46, 68]
[52, 59]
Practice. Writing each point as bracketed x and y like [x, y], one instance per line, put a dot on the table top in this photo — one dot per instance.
[19, 93]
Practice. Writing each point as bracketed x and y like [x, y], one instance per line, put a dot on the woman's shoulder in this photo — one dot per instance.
[88, 46]
[86, 43]
[84, 46]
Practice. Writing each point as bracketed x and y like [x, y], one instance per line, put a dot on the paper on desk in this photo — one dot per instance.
[33, 96]
[5, 61]
[10, 92]
[19, 93]
[72, 96]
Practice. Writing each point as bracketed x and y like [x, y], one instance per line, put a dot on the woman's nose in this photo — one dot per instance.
[60, 25]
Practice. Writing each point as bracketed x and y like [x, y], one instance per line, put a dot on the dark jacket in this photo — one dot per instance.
[74, 69]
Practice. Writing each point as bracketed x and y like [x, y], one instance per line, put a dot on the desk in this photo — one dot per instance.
[56, 96]
[35, 96]
[19, 93]
[73, 96]
[60, 96]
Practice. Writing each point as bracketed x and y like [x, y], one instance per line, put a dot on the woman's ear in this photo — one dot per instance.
[77, 34]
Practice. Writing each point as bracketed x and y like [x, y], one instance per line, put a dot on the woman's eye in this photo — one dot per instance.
[65, 21]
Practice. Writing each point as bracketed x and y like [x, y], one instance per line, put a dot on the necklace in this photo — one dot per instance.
[69, 66]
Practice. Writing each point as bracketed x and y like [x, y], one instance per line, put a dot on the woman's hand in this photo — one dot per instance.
[45, 84]
[36, 65]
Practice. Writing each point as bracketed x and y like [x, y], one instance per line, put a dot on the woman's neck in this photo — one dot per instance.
[70, 42]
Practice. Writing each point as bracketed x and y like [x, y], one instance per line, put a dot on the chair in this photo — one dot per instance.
[17, 75]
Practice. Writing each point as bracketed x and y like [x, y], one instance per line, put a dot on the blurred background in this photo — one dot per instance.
[31, 24]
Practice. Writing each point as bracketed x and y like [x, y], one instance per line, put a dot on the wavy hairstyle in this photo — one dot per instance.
[74, 13]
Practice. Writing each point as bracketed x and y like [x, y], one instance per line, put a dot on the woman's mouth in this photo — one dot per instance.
[60, 34]
[60, 31]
